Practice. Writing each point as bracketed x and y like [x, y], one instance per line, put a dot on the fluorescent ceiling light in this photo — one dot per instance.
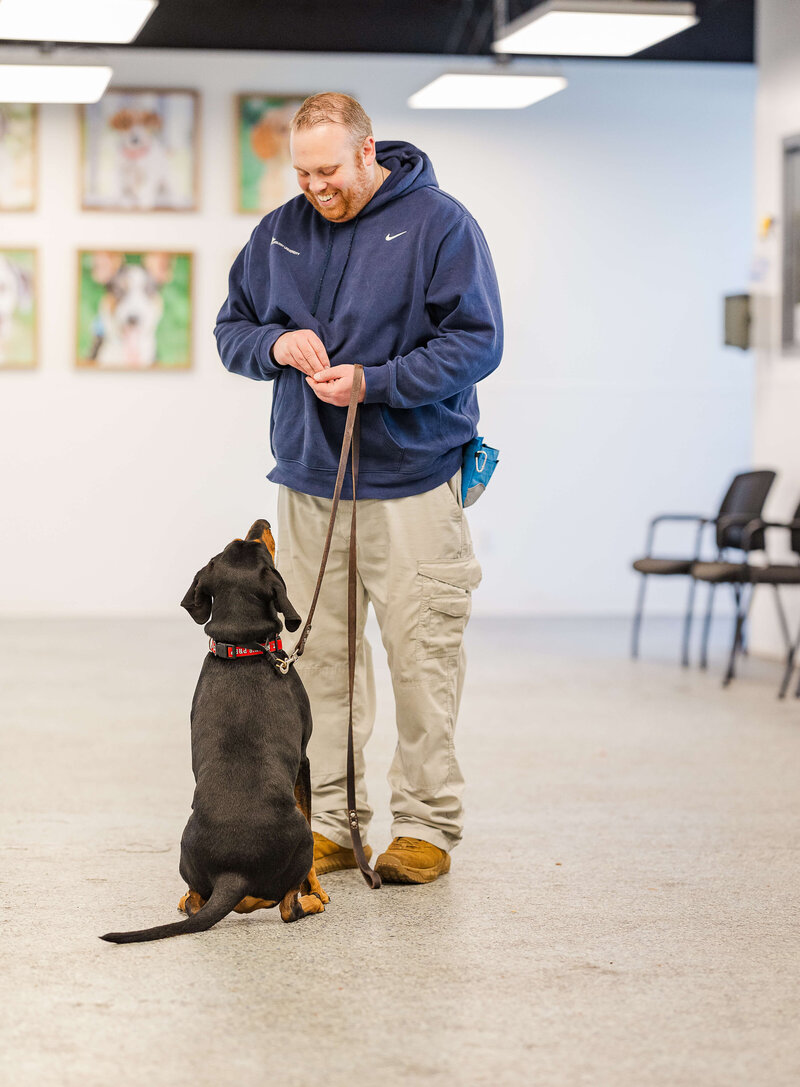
[74, 20]
[52, 83]
[486, 91]
[598, 28]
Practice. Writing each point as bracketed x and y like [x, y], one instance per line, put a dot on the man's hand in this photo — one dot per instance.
[334, 385]
[302, 349]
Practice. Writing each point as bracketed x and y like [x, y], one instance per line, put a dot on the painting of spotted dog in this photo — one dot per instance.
[134, 310]
[140, 151]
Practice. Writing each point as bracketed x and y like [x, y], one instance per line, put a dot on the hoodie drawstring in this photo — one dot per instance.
[325, 264]
[344, 269]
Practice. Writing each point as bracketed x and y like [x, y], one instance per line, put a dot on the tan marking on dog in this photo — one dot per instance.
[294, 906]
[266, 537]
[269, 542]
[310, 884]
[250, 905]
[191, 903]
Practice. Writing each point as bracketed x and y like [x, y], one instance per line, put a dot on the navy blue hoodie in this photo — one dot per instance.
[408, 289]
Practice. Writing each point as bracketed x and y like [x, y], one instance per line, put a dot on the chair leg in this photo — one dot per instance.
[787, 638]
[707, 625]
[737, 596]
[787, 672]
[637, 618]
[741, 615]
[687, 623]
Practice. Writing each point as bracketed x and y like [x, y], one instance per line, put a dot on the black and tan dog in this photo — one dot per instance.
[248, 843]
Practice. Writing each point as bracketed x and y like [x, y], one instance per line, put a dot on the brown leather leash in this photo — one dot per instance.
[350, 447]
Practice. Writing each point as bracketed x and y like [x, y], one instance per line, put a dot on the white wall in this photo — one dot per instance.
[618, 213]
[777, 399]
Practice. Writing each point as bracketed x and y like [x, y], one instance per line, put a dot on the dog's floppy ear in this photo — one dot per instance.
[282, 603]
[199, 595]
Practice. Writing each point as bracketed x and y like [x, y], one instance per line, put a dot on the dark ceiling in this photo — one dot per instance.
[725, 31]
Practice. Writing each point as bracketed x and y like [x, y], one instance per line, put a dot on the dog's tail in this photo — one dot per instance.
[228, 891]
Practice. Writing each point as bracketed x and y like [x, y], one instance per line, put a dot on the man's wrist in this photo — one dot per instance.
[376, 389]
[271, 349]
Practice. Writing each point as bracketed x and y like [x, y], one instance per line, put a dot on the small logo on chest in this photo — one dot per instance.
[275, 241]
[391, 237]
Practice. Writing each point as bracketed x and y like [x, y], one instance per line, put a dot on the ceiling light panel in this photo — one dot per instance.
[52, 83]
[613, 28]
[107, 21]
[485, 91]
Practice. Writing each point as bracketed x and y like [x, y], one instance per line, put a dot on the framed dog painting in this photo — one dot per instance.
[140, 151]
[17, 309]
[134, 310]
[17, 157]
[265, 175]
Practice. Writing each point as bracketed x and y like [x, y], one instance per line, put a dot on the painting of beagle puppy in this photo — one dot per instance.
[248, 843]
[144, 169]
[140, 151]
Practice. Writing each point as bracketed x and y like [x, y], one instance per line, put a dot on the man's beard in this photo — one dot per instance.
[347, 203]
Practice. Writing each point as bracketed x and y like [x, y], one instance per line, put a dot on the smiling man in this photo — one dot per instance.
[373, 264]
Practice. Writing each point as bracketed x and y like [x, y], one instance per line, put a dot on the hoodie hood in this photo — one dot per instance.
[410, 169]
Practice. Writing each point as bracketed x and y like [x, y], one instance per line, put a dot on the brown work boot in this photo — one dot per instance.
[331, 857]
[410, 860]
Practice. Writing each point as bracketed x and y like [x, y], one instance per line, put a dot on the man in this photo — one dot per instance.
[373, 264]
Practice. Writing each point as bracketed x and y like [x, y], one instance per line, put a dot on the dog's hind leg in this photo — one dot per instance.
[302, 794]
[250, 904]
[294, 905]
[191, 902]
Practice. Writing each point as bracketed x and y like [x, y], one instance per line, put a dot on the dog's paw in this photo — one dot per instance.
[314, 887]
[250, 904]
[191, 903]
[294, 906]
[312, 903]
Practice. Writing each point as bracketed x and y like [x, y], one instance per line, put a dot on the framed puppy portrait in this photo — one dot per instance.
[140, 151]
[17, 157]
[134, 310]
[17, 309]
[264, 166]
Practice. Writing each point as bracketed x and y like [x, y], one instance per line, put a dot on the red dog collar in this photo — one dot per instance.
[234, 652]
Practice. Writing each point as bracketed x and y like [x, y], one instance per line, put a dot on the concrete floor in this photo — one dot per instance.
[623, 911]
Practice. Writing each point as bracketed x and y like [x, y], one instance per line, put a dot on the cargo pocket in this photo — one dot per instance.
[445, 605]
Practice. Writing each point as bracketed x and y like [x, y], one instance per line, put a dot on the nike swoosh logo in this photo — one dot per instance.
[391, 237]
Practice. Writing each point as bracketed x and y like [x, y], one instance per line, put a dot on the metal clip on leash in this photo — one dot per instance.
[283, 666]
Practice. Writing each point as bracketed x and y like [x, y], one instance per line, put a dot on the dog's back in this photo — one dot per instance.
[250, 727]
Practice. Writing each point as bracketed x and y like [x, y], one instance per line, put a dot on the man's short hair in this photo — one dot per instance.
[332, 108]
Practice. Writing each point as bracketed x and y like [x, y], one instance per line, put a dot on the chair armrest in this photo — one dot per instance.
[698, 518]
[728, 519]
[679, 517]
[758, 523]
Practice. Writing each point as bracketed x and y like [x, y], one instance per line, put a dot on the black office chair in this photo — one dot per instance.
[743, 501]
[742, 575]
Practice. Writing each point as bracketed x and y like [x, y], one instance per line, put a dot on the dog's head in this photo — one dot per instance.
[241, 592]
[137, 129]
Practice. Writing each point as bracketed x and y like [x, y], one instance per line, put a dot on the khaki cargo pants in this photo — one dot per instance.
[417, 568]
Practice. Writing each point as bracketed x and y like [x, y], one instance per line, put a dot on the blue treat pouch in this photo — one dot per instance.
[476, 470]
